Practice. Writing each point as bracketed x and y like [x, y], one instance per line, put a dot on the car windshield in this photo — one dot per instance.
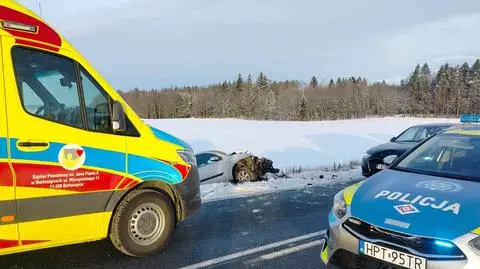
[447, 155]
[419, 133]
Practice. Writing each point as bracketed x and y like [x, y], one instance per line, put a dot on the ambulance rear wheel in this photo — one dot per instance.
[143, 223]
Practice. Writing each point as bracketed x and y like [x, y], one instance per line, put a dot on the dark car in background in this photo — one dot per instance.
[372, 161]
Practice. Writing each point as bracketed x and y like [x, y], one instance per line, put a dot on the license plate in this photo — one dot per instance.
[381, 166]
[392, 256]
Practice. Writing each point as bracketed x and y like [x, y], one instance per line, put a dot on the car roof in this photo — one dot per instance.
[466, 129]
[449, 124]
[213, 152]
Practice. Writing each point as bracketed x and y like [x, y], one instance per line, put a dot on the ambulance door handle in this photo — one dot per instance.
[33, 144]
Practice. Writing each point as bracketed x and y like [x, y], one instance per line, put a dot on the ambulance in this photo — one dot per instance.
[76, 163]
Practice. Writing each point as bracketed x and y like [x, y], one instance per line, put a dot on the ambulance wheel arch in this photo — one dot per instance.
[154, 185]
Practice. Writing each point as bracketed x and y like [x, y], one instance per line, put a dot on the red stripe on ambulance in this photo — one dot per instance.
[8, 243]
[6, 179]
[183, 169]
[56, 177]
[44, 34]
[125, 183]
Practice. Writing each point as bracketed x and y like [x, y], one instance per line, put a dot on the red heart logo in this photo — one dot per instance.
[79, 152]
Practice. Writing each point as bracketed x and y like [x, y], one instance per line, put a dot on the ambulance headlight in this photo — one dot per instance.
[339, 205]
[475, 244]
[188, 156]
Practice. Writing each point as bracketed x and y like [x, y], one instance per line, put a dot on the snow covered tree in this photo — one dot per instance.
[331, 84]
[249, 80]
[302, 107]
[313, 83]
[239, 82]
[262, 81]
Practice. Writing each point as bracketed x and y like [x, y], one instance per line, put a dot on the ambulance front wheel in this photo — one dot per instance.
[143, 223]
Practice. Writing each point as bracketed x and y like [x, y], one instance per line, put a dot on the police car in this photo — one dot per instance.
[422, 212]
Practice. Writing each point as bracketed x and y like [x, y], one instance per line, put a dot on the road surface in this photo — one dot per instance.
[276, 230]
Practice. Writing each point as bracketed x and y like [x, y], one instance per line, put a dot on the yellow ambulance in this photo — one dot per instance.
[76, 163]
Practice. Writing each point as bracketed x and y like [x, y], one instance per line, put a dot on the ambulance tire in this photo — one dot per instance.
[122, 233]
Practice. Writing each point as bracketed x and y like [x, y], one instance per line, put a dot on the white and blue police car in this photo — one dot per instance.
[423, 212]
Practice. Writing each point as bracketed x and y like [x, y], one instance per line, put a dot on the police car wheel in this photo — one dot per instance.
[143, 223]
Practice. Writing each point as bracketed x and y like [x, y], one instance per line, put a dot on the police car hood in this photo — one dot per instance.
[417, 204]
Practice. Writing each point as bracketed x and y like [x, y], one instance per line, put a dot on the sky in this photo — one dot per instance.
[161, 43]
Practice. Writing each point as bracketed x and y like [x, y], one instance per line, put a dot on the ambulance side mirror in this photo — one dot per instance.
[119, 122]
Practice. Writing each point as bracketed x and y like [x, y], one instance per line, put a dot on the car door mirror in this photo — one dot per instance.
[100, 114]
[393, 139]
[389, 159]
[213, 159]
[119, 122]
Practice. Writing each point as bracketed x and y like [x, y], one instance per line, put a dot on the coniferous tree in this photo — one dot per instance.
[451, 91]
[475, 67]
[414, 90]
[313, 82]
[239, 82]
[424, 89]
[249, 80]
[302, 107]
[331, 84]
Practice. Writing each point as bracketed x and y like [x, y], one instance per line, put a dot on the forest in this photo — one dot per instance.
[446, 92]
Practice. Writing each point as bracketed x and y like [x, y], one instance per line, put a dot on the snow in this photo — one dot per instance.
[309, 145]
[291, 144]
[304, 180]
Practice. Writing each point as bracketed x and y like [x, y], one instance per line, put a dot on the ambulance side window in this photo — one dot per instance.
[51, 78]
[97, 104]
[32, 102]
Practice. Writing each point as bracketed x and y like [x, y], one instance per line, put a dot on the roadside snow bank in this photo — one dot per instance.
[220, 191]
[291, 144]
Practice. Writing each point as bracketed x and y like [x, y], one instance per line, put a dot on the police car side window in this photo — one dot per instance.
[97, 104]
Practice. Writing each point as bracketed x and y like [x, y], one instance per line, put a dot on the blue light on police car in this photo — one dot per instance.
[470, 118]
[443, 244]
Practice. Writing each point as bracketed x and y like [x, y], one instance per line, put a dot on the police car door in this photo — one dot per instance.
[67, 161]
[8, 224]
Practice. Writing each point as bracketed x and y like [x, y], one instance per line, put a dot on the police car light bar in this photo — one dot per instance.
[470, 118]
[11, 25]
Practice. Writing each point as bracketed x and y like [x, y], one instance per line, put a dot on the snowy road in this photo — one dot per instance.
[276, 230]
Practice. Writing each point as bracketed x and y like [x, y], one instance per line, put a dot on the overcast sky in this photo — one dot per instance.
[159, 43]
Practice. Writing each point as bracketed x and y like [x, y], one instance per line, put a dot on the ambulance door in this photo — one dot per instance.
[66, 158]
[8, 221]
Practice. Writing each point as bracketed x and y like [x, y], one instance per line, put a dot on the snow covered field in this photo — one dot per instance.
[291, 144]
[309, 145]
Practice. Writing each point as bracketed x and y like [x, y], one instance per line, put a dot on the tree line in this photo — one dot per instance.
[450, 91]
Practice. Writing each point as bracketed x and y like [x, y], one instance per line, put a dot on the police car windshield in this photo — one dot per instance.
[448, 155]
[419, 133]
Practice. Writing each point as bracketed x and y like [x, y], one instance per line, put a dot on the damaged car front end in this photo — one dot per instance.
[217, 166]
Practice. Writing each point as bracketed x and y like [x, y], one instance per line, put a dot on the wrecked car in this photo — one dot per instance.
[217, 166]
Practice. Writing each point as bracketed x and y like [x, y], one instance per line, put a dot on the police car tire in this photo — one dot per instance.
[119, 228]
